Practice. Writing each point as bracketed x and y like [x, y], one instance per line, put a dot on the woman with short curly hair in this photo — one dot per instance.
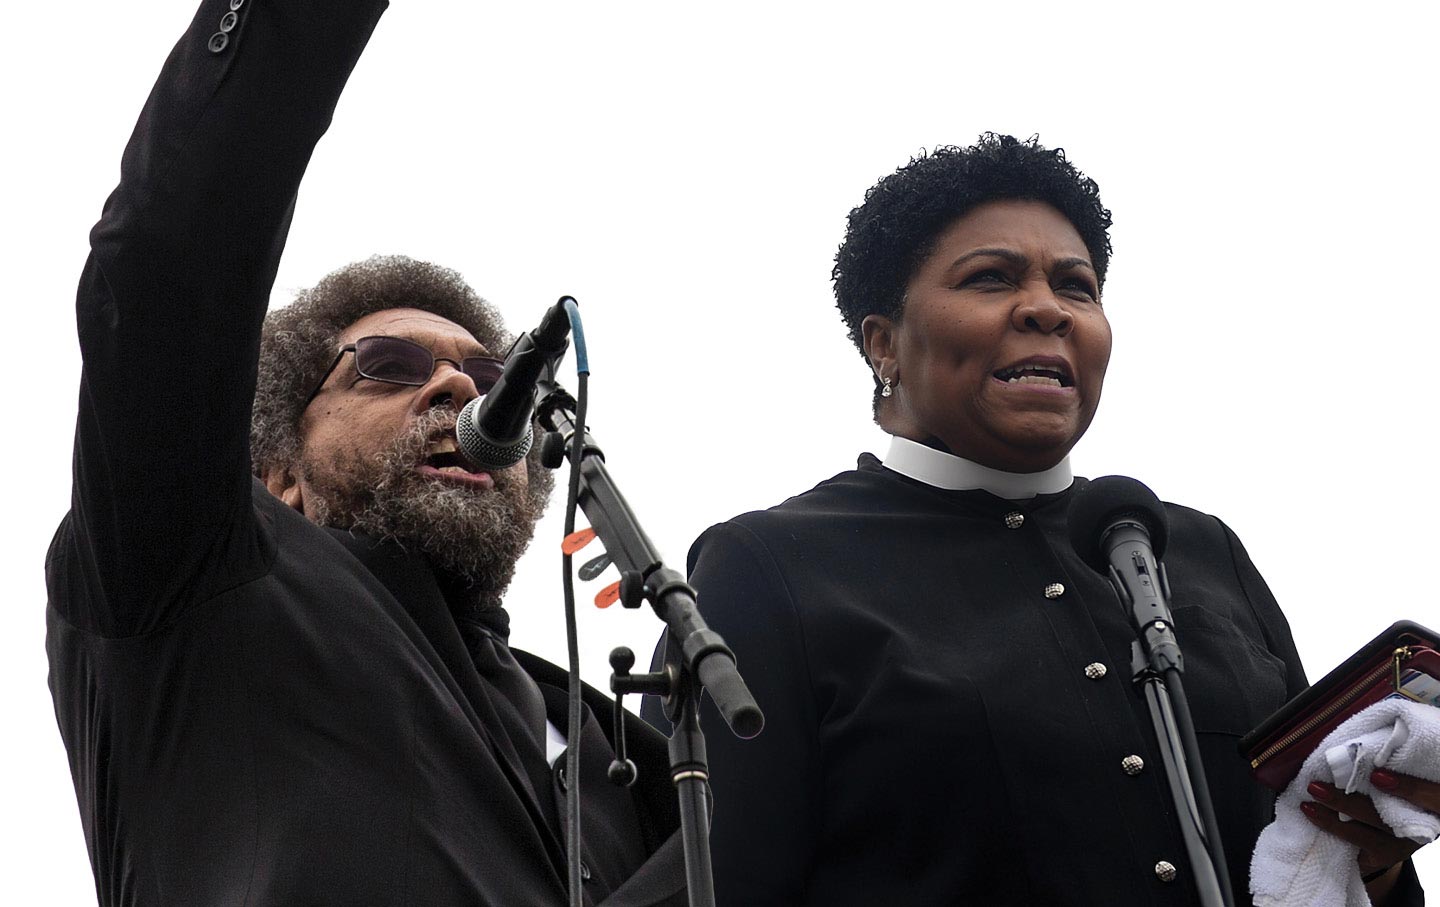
[947, 685]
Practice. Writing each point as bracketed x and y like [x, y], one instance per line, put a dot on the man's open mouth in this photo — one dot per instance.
[444, 456]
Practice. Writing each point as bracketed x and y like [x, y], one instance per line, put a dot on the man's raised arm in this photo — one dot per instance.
[171, 300]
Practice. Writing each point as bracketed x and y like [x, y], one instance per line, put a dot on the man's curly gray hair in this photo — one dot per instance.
[298, 342]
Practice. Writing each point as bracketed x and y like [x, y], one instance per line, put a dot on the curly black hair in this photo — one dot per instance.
[298, 342]
[895, 229]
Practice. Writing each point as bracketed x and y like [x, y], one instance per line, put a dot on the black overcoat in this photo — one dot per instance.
[258, 711]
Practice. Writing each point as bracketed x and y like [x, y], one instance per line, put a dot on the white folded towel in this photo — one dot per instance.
[1295, 863]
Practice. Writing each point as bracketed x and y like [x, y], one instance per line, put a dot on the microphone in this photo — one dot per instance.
[493, 431]
[1118, 526]
[1105, 505]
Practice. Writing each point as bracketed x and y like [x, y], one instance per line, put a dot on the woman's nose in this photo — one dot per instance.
[1040, 310]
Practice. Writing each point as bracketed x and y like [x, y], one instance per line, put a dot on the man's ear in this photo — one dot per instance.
[281, 482]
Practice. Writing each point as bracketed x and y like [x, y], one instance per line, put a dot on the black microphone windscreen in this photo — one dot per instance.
[483, 451]
[1107, 500]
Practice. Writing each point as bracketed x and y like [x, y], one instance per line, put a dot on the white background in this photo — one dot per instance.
[684, 170]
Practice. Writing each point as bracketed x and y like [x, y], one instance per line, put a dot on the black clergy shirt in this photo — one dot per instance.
[950, 717]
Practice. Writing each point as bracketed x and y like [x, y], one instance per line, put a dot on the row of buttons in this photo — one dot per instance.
[1132, 764]
[221, 39]
[1014, 520]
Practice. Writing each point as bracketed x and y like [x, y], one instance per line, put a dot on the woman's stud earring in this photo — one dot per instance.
[886, 390]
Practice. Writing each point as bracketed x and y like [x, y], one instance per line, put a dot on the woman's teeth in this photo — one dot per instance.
[1034, 379]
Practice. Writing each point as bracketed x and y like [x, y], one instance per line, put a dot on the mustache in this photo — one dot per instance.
[428, 428]
[410, 448]
[431, 427]
[407, 449]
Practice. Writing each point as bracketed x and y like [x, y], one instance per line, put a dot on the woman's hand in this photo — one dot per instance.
[1380, 850]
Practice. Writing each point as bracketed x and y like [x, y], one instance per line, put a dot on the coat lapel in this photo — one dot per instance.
[412, 582]
[659, 878]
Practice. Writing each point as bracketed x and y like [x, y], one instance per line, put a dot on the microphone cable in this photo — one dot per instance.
[572, 637]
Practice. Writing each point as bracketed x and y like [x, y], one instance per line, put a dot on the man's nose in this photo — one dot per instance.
[448, 386]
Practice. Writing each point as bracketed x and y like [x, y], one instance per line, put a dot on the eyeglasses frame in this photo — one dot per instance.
[434, 363]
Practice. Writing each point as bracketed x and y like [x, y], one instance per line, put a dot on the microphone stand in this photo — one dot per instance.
[697, 659]
[1157, 665]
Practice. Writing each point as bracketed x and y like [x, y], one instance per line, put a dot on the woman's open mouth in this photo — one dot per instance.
[1039, 374]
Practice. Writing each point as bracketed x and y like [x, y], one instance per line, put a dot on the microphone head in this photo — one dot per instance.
[482, 450]
[1106, 501]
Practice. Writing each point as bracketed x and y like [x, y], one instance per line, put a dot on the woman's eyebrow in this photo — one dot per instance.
[1019, 259]
[1075, 262]
[1009, 255]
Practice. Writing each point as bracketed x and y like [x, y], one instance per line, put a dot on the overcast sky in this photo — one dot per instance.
[684, 171]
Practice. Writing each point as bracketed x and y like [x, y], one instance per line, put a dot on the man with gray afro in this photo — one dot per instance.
[278, 655]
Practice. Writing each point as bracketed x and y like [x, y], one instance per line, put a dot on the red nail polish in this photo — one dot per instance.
[1319, 791]
[1384, 780]
[1309, 809]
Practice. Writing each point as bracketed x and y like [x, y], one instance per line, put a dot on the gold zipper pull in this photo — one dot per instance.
[1400, 655]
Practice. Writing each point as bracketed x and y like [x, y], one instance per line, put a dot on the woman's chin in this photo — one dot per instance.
[1033, 444]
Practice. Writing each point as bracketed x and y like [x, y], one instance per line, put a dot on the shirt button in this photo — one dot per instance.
[1054, 590]
[1133, 765]
[1014, 519]
[585, 871]
[560, 776]
[1095, 670]
[1165, 871]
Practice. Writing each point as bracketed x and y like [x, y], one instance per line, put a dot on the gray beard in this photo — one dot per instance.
[473, 536]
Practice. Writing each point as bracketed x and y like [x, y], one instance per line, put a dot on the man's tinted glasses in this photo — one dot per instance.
[396, 360]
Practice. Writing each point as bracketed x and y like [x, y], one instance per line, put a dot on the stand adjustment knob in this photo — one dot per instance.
[632, 589]
[622, 771]
[552, 450]
[623, 774]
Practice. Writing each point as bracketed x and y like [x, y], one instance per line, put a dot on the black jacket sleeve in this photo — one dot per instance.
[1273, 625]
[170, 303]
[768, 798]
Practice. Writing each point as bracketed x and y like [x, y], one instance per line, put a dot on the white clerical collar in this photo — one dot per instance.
[943, 470]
